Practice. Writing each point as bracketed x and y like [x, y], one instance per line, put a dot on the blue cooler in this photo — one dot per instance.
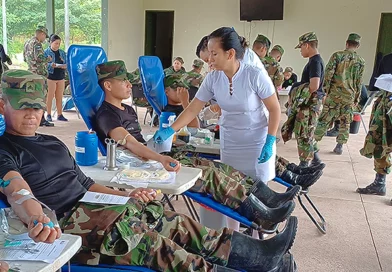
[164, 119]
[86, 148]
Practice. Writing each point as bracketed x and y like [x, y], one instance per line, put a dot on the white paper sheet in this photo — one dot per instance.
[99, 198]
[48, 253]
[384, 82]
[144, 183]
[160, 148]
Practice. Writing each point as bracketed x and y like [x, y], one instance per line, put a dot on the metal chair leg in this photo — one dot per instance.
[321, 225]
[364, 125]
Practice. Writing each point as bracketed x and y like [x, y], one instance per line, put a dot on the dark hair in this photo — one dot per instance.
[201, 46]
[352, 43]
[230, 40]
[54, 37]
[260, 44]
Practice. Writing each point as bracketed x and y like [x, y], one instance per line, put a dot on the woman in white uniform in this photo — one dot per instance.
[250, 110]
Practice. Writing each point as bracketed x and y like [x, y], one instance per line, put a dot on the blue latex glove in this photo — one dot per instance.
[2, 125]
[162, 135]
[50, 224]
[267, 150]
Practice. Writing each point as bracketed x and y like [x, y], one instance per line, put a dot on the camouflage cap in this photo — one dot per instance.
[176, 80]
[264, 40]
[112, 69]
[307, 37]
[23, 89]
[198, 63]
[43, 29]
[279, 49]
[179, 59]
[354, 37]
[288, 70]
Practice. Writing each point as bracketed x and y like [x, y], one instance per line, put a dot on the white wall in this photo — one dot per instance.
[125, 31]
[332, 20]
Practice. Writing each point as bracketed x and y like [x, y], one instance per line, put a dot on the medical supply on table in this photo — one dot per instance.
[86, 148]
[111, 146]
[184, 135]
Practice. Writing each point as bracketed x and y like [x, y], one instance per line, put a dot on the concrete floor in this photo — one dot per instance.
[358, 227]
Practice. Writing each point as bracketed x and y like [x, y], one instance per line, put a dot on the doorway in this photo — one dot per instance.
[384, 44]
[158, 40]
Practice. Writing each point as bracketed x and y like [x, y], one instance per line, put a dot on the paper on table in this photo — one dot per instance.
[144, 183]
[99, 198]
[160, 148]
[47, 253]
[384, 82]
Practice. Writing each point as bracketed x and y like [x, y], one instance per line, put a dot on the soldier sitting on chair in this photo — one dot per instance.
[140, 232]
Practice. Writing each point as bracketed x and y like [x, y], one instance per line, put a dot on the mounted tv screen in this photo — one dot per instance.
[254, 10]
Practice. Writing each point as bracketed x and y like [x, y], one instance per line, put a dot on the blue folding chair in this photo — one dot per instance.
[319, 224]
[86, 93]
[152, 75]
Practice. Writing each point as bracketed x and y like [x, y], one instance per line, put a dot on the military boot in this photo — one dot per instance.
[303, 164]
[287, 264]
[316, 159]
[305, 181]
[253, 255]
[305, 170]
[271, 198]
[334, 132]
[375, 188]
[338, 149]
[256, 211]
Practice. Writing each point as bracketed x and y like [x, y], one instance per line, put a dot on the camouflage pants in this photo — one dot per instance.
[378, 141]
[333, 110]
[178, 244]
[383, 166]
[304, 128]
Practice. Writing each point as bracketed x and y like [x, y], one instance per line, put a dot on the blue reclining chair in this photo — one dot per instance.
[86, 93]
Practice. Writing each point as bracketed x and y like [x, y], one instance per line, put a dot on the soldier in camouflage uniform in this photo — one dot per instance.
[305, 100]
[277, 52]
[378, 142]
[342, 84]
[140, 232]
[176, 68]
[194, 77]
[261, 47]
[34, 56]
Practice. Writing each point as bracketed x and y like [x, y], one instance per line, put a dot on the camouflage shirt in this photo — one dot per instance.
[274, 70]
[193, 78]
[35, 57]
[170, 71]
[343, 76]
[134, 77]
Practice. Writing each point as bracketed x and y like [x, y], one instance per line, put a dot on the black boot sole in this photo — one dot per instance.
[363, 192]
[305, 187]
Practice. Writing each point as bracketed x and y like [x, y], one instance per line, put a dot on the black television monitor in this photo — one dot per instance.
[254, 10]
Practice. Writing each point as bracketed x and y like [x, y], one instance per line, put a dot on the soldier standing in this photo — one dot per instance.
[378, 142]
[35, 58]
[261, 47]
[342, 84]
[313, 76]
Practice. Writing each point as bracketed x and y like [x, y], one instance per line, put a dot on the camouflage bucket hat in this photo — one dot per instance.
[264, 40]
[23, 89]
[176, 80]
[43, 29]
[112, 69]
[198, 63]
[307, 37]
[279, 49]
[354, 37]
[288, 70]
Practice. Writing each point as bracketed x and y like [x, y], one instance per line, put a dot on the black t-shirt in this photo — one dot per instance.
[177, 109]
[314, 68]
[293, 79]
[47, 166]
[385, 67]
[110, 117]
[58, 73]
